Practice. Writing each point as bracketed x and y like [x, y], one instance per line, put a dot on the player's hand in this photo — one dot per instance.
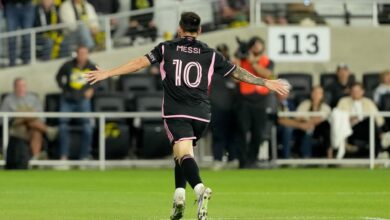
[280, 86]
[95, 76]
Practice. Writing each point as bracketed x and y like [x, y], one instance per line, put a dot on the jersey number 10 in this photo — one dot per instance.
[179, 75]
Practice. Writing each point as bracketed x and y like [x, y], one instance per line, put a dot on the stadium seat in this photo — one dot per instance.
[52, 104]
[117, 141]
[301, 85]
[109, 102]
[103, 86]
[370, 82]
[385, 102]
[152, 140]
[137, 83]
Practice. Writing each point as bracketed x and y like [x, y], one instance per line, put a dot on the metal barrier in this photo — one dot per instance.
[102, 162]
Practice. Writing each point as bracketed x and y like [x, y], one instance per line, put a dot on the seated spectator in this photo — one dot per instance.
[383, 88]
[48, 43]
[299, 13]
[342, 86]
[28, 129]
[142, 25]
[274, 13]
[19, 14]
[72, 11]
[317, 141]
[358, 105]
[286, 126]
[234, 12]
[76, 97]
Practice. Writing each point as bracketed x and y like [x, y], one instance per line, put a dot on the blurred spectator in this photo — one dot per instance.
[234, 12]
[358, 105]
[72, 11]
[315, 142]
[223, 95]
[342, 86]
[286, 128]
[274, 14]
[76, 97]
[28, 129]
[48, 43]
[253, 100]
[19, 14]
[104, 7]
[383, 88]
[299, 13]
[142, 25]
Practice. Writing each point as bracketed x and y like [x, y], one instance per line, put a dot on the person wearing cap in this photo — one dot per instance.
[253, 103]
[341, 87]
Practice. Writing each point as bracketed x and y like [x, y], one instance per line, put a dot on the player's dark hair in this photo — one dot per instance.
[189, 22]
[254, 40]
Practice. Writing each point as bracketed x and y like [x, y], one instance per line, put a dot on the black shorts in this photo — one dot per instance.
[179, 129]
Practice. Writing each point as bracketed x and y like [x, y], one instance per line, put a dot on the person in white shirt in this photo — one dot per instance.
[383, 88]
[320, 135]
[358, 106]
[72, 11]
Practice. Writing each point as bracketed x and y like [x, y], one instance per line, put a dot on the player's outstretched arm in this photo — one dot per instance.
[280, 86]
[130, 67]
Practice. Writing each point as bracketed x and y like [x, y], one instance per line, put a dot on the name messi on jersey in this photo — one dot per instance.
[188, 49]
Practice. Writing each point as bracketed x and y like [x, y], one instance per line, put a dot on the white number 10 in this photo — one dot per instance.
[186, 76]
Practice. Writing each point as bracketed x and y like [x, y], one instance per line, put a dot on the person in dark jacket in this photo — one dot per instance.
[342, 86]
[76, 96]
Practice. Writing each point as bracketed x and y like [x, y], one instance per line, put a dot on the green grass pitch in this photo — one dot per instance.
[299, 194]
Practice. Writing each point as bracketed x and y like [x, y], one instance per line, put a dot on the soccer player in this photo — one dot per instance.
[187, 66]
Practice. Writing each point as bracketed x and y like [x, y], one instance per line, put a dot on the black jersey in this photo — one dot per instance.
[187, 67]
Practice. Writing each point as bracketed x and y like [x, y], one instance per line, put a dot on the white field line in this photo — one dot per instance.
[384, 193]
[285, 218]
[374, 218]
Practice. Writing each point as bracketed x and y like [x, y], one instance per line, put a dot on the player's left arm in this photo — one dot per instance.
[129, 67]
[279, 86]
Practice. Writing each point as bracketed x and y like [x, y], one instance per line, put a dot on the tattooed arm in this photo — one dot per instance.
[279, 86]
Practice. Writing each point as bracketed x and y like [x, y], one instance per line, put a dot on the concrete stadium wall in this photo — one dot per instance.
[363, 49]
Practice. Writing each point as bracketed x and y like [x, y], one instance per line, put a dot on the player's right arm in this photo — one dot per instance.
[279, 86]
[129, 67]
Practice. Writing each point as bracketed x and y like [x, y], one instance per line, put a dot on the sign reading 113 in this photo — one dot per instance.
[299, 44]
[313, 38]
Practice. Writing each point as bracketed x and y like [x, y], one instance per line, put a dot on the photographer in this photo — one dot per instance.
[254, 100]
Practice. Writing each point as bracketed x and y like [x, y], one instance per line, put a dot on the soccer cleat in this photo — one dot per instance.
[178, 209]
[203, 202]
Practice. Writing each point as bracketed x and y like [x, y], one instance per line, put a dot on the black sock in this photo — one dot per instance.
[190, 170]
[180, 179]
